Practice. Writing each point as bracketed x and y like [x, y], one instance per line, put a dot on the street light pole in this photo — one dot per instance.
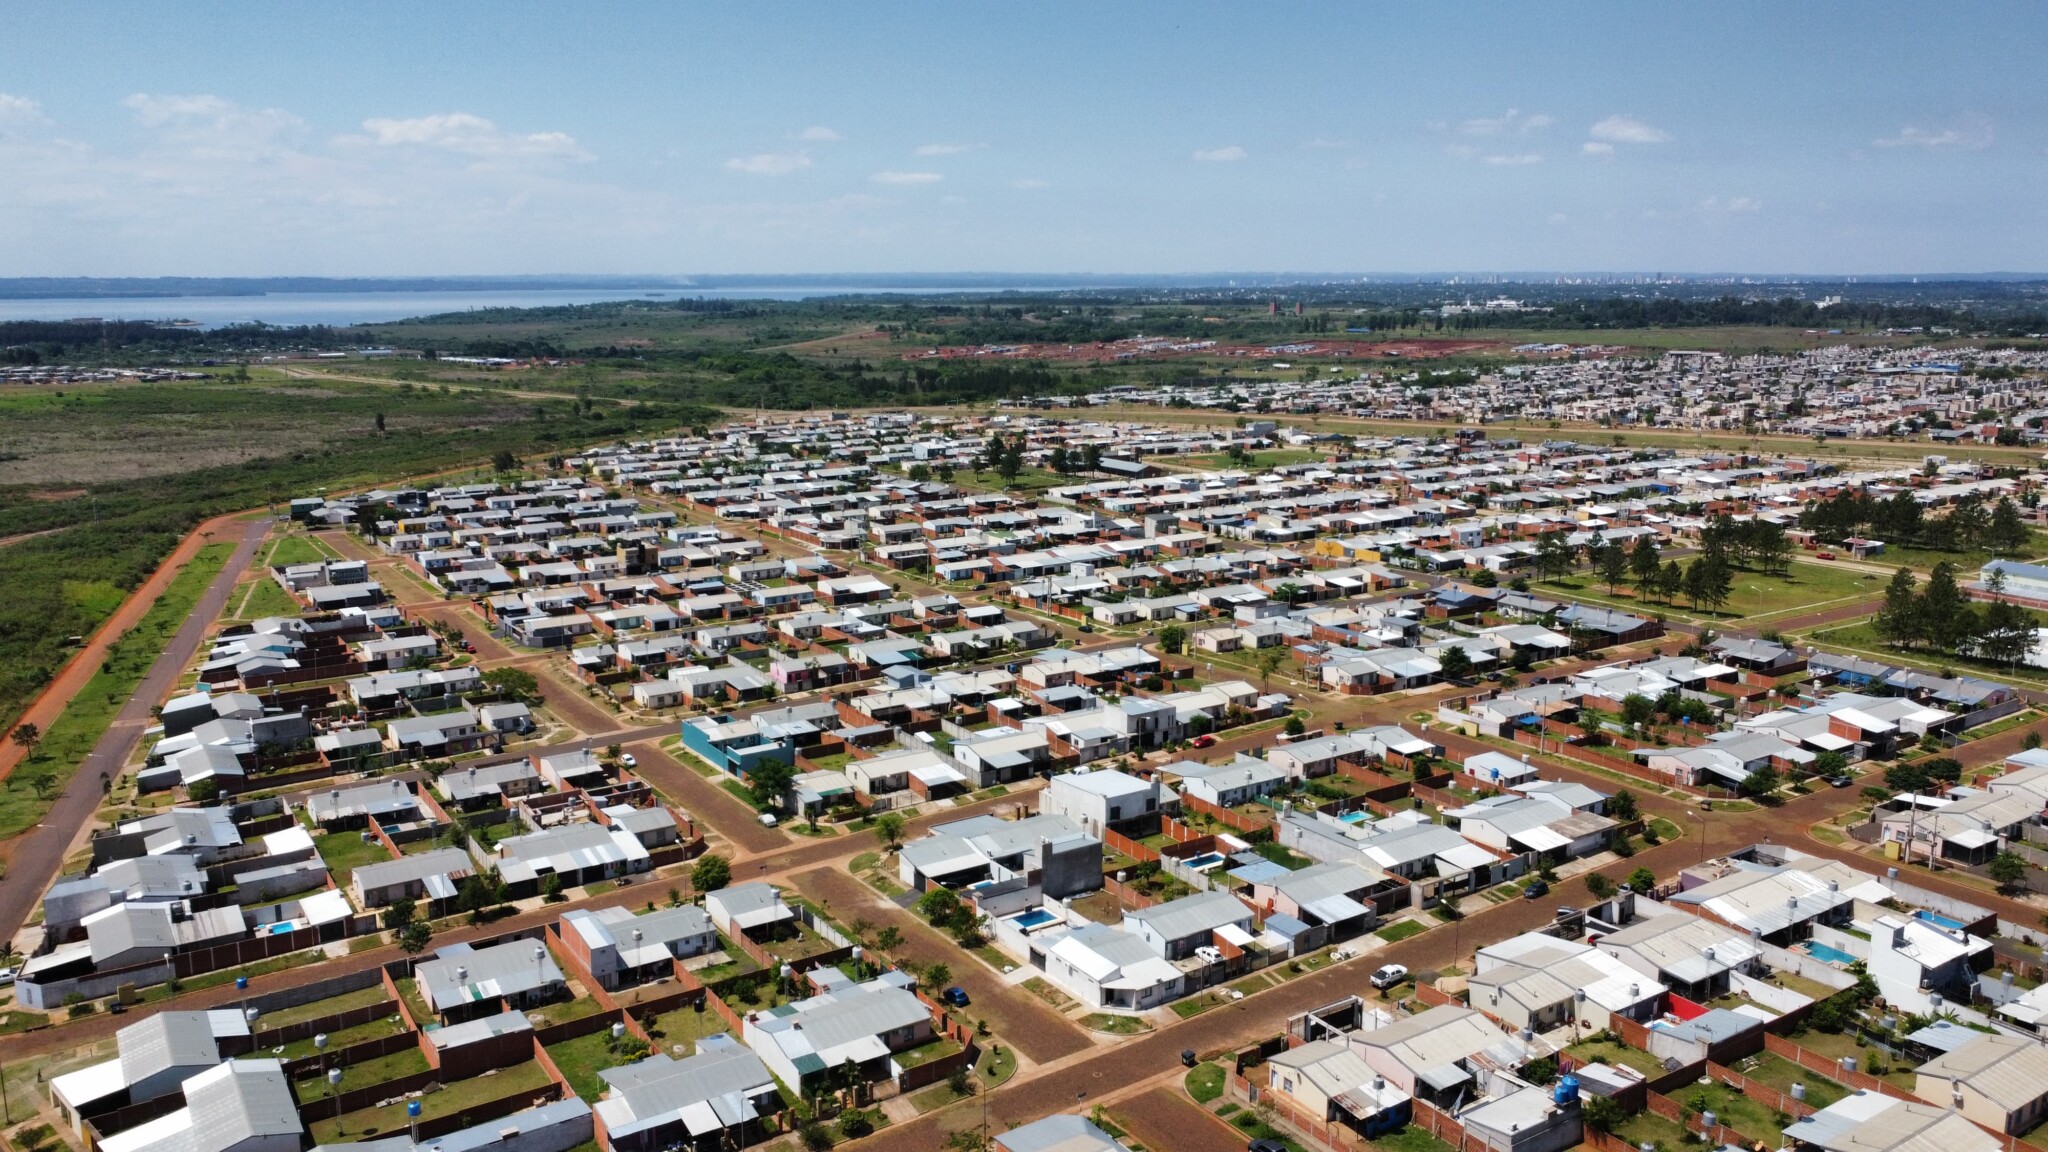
[1703, 833]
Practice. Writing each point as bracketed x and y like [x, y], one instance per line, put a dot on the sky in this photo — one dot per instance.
[486, 139]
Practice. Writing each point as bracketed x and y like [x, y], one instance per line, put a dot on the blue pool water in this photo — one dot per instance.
[1205, 860]
[279, 929]
[1034, 918]
[1831, 955]
[1938, 920]
[1354, 817]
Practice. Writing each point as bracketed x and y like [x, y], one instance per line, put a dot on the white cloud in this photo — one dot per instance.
[1597, 148]
[467, 135]
[906, 177]
[1219, 155]
[1029, 184]
[1621, 129]
[946, 149]
[1318, 142]
[20, 110]
[1745, 204]
[769, 163]
[952, 199]
[1970, 134]
[1513, 121]
[1515, 160]
[818, 133]
[215, 127]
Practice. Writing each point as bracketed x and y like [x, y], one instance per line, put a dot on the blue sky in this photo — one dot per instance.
[421, 138]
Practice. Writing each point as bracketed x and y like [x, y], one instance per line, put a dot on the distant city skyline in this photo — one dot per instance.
[385, 140]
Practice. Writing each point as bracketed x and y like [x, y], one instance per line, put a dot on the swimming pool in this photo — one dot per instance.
[1354, 817]
[1034, 918]
[1831, 955]
[280, 929]
[1938, 920]
[1204, 862]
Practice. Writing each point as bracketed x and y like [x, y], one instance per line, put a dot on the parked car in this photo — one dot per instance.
[628, 760]
[1536, 890]
[1389, 975]
[768, 820]
[7, 976]
[1265, 1146]
[956, 996]
[1840, 781]
[1203, 741]
[1187, 1057]
[1823, 555]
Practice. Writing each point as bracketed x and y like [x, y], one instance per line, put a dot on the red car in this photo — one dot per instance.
[1203, 741]
[1823, 555]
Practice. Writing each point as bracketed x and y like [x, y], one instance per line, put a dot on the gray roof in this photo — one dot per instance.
[507, 969]
[236, 1101]
[1057, 1134]
[175, 1040]
[439, 862]
[1201, 912]
[709, 1090]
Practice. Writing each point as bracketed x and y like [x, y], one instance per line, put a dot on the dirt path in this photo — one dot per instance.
[35, 856]
[73, 676]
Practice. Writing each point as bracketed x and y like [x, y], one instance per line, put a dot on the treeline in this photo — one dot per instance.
[1940, 616]
[784, 382]
[30, 342]
[1708, 581]
[1899, 520]
[116, 533]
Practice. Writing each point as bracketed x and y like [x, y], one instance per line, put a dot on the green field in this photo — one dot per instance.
[345, 852]
[71, 738]
[1755, 595]
[1272, 458]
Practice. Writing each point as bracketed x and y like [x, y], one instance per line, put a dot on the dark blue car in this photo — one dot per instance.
[956, 996]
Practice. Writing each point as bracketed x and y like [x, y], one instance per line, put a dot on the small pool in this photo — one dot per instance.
[1204, 862]
[1034, 918]
[1354, 817]
[1938, 920]
[1829, 954]
[280, 929]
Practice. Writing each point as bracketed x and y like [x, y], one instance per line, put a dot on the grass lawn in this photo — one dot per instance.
[563, 1011]
[1399, 930]
[20, 1021]
[332, 1005]
[1860, 637]
[1649, 1128]
[1257, 1129]
[863, 862]
[451, 1100]
[938, 1096]
[684, 1026]
[1028, 480]
[1737, 1111]
[389, 1067]
[1193, 1006]
[295, 549]
[1410, 1139]
[1835, 1045]
[70, 738]
[1753, 595]
[336, 1041]
[927, 1052]
[584, 1057]
[345, 852]
[1610, 1052]
[1271, 458]
[996, 1065]
[831, 763]
[1101, 907]
[263, 597]
[1781, 1074]
[1043, 989]
[1205, 1082]
[1118, 1025]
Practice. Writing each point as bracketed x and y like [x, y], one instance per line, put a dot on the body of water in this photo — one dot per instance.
[290, 309]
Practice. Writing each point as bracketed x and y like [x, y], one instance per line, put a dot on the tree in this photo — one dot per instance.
[1172, 639]
[1012, 462]
[1598, 886]
[1761, 783]
[505, 461]
[203, 791]
[1059, 460]
[1457, 663]
[937, 906]
[1295, 726]
[380, 421]
[768, 783]
[1671, 582]
[397, 916]
[889, 937]
[28, 737]
[815, 1137]
[1602, 1113]
[937, 976]
[1830, 764]
[710, 874]
[517, 683]
[1637, 708]
[1906, 778]
[2008, 870]
[919, 473]
[1268, 661]
[414, 937]
[1899, 621]
[2032, 741]
[1643, 563]
[2007, 533]
[992, 453]
[1091, 455]
[889, 829]
[1622, 805]
[551, 888]
[1768, 546]
[1641, 880]
[1942, 607]
[1613, 566]
[855, 1123]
